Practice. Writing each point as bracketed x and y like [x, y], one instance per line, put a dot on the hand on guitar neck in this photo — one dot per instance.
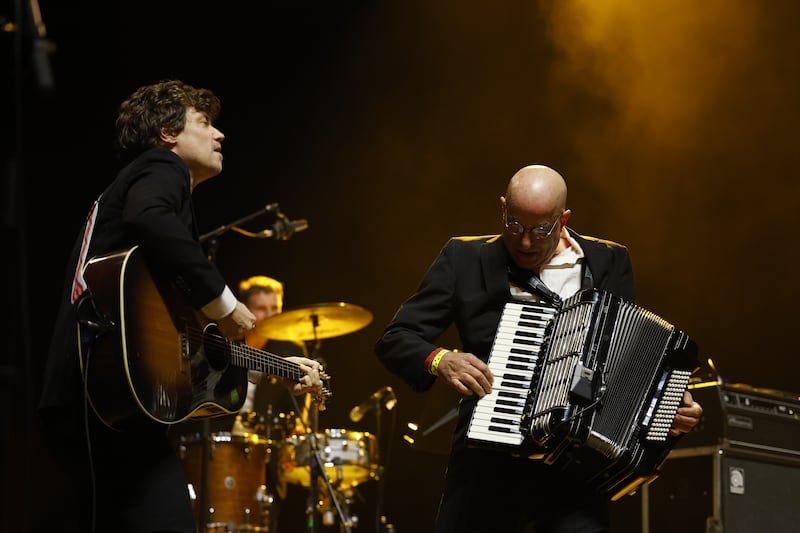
[312, 383]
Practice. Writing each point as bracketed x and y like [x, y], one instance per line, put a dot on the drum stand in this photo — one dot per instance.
[316, 465]
[317, 472]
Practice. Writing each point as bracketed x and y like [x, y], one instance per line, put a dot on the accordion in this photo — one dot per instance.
[592, 383]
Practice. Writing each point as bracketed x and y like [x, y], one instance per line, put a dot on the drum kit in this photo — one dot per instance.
[228, 471]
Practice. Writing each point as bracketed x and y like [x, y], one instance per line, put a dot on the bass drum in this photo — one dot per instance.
[236, 475]
[350, 458]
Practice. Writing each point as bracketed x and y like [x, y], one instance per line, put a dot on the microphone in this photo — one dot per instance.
[383, 397]
[283, 228]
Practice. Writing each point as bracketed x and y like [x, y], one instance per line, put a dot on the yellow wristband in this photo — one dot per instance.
[436, 360]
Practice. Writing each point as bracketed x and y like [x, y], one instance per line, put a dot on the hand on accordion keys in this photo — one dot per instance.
[687, 417]
[466, 373]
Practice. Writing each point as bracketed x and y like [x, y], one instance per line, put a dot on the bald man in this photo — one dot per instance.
[468, 285]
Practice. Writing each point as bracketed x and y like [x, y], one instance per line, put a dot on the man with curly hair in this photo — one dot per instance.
[127, 477]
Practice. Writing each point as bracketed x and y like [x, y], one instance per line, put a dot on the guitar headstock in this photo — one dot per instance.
[325, 394]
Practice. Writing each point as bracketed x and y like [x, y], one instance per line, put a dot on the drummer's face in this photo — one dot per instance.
[263, 305]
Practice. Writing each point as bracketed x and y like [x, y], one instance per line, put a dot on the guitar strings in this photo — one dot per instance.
[265, 361]
[243, 354]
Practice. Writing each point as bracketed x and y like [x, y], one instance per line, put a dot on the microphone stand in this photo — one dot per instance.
[269, 208]
[378, 426]
[205, 450]
[447, 417]
[381, 522]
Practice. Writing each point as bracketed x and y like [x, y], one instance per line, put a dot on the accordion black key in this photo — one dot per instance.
[592, 384]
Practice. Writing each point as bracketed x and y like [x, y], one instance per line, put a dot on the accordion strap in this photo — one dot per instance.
[531, 280]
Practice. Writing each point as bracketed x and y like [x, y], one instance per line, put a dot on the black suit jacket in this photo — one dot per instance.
[148, 204]
[468, 285]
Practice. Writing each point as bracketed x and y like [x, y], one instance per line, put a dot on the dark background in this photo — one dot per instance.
[391, 126]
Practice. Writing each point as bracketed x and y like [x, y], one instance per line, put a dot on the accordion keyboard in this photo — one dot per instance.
[514, 358]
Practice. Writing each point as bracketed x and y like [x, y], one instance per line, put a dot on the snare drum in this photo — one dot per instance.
[236, 470]
[350, 458]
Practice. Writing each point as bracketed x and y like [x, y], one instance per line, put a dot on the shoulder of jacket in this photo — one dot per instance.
[480, 239]
[158, 158]
[602, 242]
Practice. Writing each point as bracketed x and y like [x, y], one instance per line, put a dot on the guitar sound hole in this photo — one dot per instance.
[215, 347]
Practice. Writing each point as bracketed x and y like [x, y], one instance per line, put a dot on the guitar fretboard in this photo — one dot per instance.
[254, 359]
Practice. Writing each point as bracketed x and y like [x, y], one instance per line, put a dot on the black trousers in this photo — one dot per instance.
[126, 482]
[487, 492]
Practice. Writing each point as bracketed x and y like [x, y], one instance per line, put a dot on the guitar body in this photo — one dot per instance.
[154, 358]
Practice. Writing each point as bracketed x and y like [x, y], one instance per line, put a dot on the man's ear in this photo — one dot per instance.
[167, 138]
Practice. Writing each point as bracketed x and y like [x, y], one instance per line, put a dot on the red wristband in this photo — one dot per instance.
[429, 359]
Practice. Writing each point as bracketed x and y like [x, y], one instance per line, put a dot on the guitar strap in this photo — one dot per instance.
[78, 283]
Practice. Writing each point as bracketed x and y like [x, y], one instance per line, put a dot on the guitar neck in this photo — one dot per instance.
[245, 356]
[254, 359]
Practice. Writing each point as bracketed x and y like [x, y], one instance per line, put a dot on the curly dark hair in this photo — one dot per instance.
[156, 107]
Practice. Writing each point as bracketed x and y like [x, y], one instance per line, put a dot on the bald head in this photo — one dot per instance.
[537, 188]
[536, 197]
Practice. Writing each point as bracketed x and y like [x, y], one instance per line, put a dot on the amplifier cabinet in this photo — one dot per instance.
[716, 489]
[738, 471]
[739, 415]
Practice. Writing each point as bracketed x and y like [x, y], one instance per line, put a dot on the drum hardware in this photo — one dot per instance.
[275, 428]
[308, 326]
[327, 510]
[319, 483]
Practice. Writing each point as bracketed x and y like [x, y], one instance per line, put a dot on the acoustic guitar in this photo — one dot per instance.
[147, 355]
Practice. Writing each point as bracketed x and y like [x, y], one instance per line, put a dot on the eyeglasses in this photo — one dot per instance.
[537, 232]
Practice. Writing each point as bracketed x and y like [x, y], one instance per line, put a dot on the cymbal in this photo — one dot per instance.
[315, 321]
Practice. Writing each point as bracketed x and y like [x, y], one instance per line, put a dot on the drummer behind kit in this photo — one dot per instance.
[239, 495]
